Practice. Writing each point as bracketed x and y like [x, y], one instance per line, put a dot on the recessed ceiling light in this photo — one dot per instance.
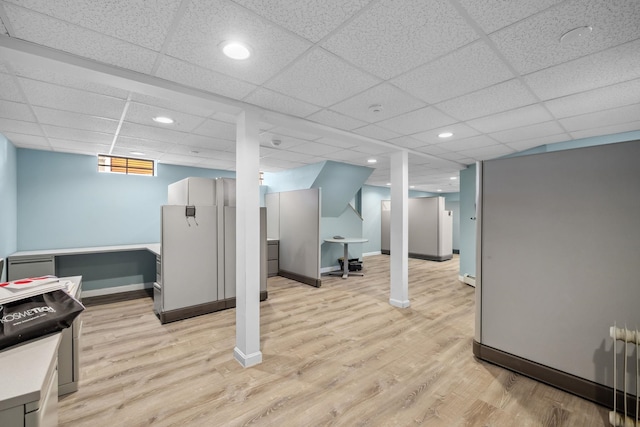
[164, 120]
[454, 177]
[235, 50]
[412, 186]
[575, 34]
[439, 190]
[372, 161]
[388, 183]
[137, 153]
[445, 135]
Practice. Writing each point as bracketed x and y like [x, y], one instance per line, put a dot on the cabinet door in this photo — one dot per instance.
[21, 267]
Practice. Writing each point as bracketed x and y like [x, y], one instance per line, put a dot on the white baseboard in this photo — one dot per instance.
[330, 269]
[116, 290]
[371, 253]
[247, 360]
[399, 303]
[469, 280]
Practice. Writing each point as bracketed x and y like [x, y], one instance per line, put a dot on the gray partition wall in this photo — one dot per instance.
[430, 228]
[559, 243]
[299, 233]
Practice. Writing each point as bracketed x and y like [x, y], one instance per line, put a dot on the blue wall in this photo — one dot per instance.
[468, 192]
[8, 199]
[63, 201]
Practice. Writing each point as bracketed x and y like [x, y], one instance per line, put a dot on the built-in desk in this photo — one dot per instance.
[35, 373]
[69, 261]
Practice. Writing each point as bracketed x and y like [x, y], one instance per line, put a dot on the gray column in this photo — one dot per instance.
[247, 350]
[399, 245]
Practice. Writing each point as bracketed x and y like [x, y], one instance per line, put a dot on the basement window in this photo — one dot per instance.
[125, 165]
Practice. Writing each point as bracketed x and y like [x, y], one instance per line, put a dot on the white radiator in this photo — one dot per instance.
[630, 339]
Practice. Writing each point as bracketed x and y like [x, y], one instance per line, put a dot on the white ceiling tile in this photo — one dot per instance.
[468, 143]
[313, 149]
[152, 133]
[64, 98]
[600, 69]
[494, 99]
[217, 164]
[201, 78]
[294, 157]
[271, 163]
[172, 104]
[282, 142]
[281, 103]
[3, 29]
[376, 132]
[216, 129]
[321, 78]
[179, 159]
[406, 142]
[139, 22]
[336, 120]
[309, 18]
[16, 111]
[614, 22]
[373, 149]
[486, 153]
[588, 102]
[78, 147]
[393, 101]
[528, 132]
[208, 23]
[225, 156]
[459, 131]
[392, 37]
[145, 145]
[9, 90]
[68, 80]
[338, 143]
[607, 130]
[417, 121]
[351, 155]
[537, 142]
[466, 70]
[24, 140]
[433, 150]
[492, 15]
[600, 119]
[518, 117]
[19, 126]
[57, 132]
[61, 35]
[208, 142]
[144, 114]
[294, 133]
[127, 152]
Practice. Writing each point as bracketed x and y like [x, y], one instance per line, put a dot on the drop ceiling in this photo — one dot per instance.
[88, 77]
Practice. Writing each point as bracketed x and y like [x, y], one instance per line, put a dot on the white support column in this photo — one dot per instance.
[247, 350]
[399, 244]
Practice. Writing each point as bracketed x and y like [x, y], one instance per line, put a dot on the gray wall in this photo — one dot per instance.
[559, 250]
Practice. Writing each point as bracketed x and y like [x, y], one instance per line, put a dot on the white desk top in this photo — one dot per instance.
[152, 247]
[347, 240]
[24, 368]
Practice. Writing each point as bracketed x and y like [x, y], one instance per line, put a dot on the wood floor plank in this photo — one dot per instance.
[338, 355]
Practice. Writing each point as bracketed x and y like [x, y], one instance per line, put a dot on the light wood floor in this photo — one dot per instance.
[336, 355]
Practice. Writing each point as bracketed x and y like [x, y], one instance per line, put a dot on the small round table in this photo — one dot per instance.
[345, 242]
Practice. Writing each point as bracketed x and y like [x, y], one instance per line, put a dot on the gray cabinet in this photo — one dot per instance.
[20, 267]
[273, 253]
[69, 351]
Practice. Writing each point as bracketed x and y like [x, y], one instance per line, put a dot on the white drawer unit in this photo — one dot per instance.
[20, 267]
[32, 371]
